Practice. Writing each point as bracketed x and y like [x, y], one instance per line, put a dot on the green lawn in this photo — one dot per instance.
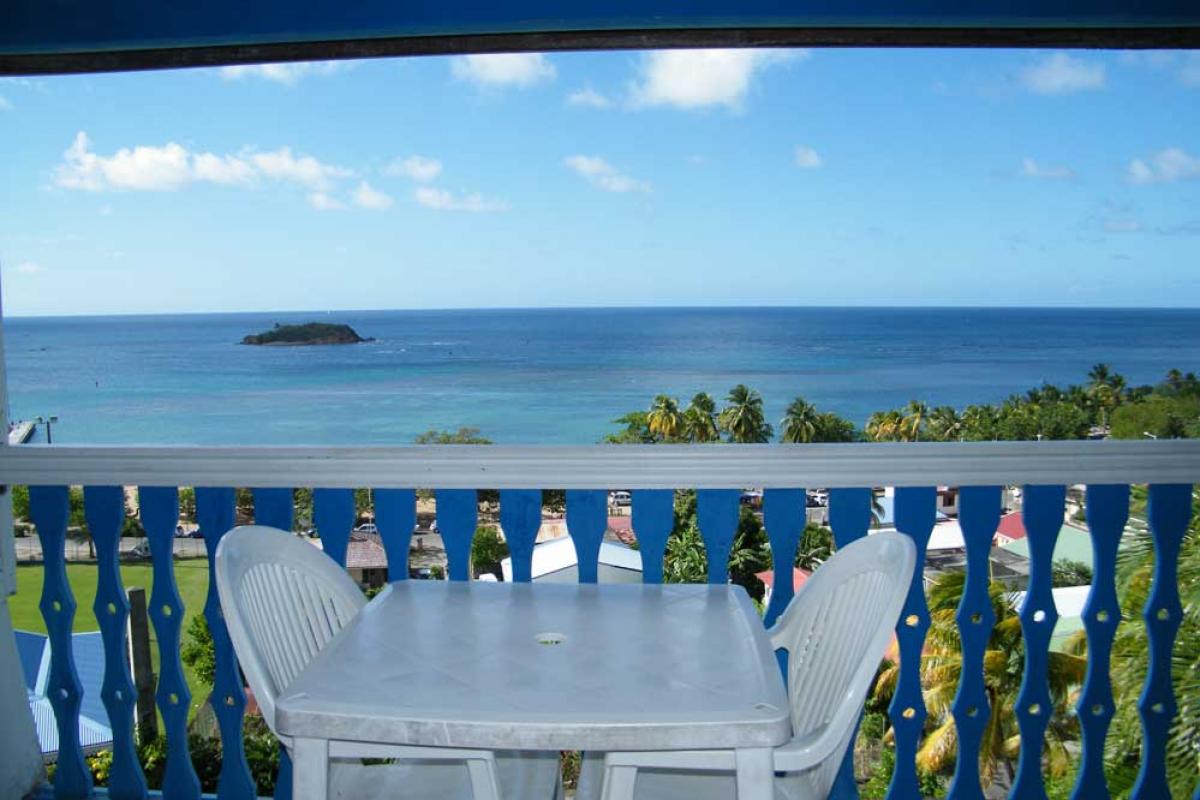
[191, 576]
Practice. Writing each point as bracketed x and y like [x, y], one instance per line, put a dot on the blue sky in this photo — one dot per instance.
[825, 177]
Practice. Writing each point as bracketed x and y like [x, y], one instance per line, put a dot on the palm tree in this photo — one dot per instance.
[699, 419]
[941, 668]
[914, 419]
[800, 422]
[885, 426]
[664, 418]
[945, 424]
[1100, 374]
[742, 418]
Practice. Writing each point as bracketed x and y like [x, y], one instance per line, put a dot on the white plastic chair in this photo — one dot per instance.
[835, 630]
[283, 600]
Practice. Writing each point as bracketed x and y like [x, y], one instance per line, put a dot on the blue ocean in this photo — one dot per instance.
[551, 375]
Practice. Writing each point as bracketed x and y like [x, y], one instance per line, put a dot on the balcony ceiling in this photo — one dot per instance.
[62, 36]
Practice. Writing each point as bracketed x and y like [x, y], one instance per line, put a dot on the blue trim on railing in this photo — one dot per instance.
[587, 520]
[333, 515]
[653, 520]
[1042, 514]
[978, 517]
[717, 513]
[274, 507]
[916, 510]
[457, 517]
[1168, 510]
[396, 517]
[49, 507]
[520, 520]
[849, 519]
[215, 514]
[784, 516]
[159, 508]
[104, 509]
[1107, 509]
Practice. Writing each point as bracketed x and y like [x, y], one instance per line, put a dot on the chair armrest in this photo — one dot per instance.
[806, 752]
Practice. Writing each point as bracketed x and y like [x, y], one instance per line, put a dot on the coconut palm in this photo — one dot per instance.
[885, 426]
[699, 419]
[800, 423]
[665, 419]
[742, 418]
[941, 669]
[915, 414]
[945, 424]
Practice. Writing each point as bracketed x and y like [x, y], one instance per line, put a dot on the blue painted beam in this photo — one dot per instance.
[76, 35]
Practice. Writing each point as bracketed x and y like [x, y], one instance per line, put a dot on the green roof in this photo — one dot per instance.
[1074, 544]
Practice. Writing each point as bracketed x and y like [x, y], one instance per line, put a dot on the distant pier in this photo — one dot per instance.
[20, 432]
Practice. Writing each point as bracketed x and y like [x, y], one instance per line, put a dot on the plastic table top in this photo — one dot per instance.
[546, 667]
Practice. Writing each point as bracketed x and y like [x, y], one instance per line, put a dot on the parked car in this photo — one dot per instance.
[196, 534]
[141, 550]
[621, 499]
[420, 573]
[367, 527]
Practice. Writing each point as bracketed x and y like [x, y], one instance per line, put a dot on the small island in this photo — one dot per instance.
[308, 334]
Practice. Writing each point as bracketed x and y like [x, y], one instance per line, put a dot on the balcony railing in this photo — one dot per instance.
[718, 473]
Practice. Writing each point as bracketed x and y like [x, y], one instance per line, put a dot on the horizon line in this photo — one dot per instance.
[731, 307]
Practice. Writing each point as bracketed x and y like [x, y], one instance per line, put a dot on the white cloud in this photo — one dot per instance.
[305, 170]
[442, 200]
[366, 197]
[225, 170]
[497, 70]
[588, 97]
[808, 158]
[1185, 65]
[603, 175]
[417, 168]
[1189, 72]
[142, 168]
[1165, 166]
[287, 74]
[1032, 169]
[29, 268]
[692, 79]
[1122, 226]
[1060, 73]
[322, 201]
[4, 104]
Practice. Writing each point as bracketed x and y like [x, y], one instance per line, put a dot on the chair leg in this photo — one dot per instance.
[483, 784]
[755, 776]
[310, 777]
[619, 783]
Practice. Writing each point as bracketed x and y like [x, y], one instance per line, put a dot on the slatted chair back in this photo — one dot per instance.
[283, 600]
[835, 631]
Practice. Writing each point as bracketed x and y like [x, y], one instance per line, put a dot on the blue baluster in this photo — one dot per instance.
[784, 515]
[457, 517]
[48, 506]
[396, 517]
[104, 508]
[1169, 509]
[979, 517]
[849, 514]
[274, 508]
[849, 518]
[916, 510]
[587, 519]
[717, 515]
[1042, 514]
[333, 514]
[215, 514]
[1107, 512]
[160, 514]
[520, 520]
[653, 520]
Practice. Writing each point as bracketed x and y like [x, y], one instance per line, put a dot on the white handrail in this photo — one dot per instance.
[610, 466]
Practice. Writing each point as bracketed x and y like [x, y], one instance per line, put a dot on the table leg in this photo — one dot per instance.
[310, 776]
[755, 773]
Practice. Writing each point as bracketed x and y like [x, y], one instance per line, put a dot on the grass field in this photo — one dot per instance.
[191, 577]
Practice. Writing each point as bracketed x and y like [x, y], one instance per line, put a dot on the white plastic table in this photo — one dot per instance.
[545, 667]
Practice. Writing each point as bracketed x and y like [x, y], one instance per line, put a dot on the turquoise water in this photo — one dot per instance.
[548, 376]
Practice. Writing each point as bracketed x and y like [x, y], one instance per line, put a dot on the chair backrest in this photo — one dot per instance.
[283, 600]
[836, 631]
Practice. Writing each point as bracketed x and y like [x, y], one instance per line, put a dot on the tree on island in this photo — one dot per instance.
[700, 420]
[742, 418]
[665, 420]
